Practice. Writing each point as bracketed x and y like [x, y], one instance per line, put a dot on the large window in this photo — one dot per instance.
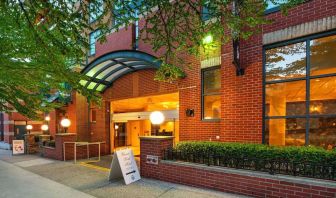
[211, 85]
[300, 92]
[92, 42]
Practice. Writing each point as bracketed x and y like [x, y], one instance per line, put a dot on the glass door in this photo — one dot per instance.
[119, 134]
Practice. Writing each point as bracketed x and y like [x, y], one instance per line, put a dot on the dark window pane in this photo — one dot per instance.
[286, 99]
[93, 115]
[211, 81]
[323, 132]
[285, 132]
[286, 62]
[211, 107]
[323, 96]
[323, 55]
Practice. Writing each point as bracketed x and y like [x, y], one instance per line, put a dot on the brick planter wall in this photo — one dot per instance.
[57, 152]
[251, 183]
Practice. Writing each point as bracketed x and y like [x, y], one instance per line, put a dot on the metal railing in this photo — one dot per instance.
[279, 166]
[76, 144]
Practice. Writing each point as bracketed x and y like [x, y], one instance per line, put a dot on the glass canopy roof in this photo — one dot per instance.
[104, 70]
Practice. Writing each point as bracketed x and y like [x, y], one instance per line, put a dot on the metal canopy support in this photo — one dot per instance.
[104, 70]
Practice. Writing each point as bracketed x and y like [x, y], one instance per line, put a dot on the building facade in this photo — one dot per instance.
[286, 96]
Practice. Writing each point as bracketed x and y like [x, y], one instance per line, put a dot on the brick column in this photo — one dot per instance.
[153, 145]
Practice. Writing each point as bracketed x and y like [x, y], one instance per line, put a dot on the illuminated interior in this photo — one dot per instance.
[126, 132]
[294, 101]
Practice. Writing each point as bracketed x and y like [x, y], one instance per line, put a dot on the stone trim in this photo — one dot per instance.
[65, 134]
[156, 137]
[292, 179]
[300, 30]
[214, 61]
[8, 133]
[8, 122]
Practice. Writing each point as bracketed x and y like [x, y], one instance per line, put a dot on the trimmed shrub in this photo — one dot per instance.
[260, 151]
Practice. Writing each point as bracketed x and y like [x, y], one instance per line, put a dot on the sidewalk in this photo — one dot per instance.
[33, 176]
[17, 182]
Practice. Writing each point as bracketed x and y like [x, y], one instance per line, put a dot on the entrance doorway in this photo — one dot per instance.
[19, 131]
[130, 119]
[120, 134]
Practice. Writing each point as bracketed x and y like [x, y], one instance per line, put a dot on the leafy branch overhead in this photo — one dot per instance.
[44, 43]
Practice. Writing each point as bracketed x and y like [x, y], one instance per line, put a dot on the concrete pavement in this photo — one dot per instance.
[17, 182]
[33, 176]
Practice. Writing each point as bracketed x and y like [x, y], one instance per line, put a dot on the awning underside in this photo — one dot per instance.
[107, 68]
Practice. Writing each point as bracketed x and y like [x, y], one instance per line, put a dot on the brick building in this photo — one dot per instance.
[285, 97]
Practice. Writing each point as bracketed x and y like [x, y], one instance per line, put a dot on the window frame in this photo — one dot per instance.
[202, 93]
[93, 119]
[94, 44]
[307, 79]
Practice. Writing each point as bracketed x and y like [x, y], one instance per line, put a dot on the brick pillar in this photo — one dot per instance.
[60, 138]
[153, 145]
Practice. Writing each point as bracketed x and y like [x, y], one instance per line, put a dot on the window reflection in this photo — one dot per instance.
[323, 132]
[212, 107]
[284, 99]
[211, 81]
[323, 55]
[271, 5]
[286, 62]
[323, 96]
[289, 132]
[211, 93]
[285, 102]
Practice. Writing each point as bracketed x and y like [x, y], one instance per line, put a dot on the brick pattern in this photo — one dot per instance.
[81, 151]
[226, 182]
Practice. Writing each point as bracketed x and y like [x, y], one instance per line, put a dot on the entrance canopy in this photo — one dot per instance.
[104, 70]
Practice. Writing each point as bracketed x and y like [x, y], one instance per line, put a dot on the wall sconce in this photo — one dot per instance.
[29, 128]
[44, 128]
[65, 124]
[190, 112]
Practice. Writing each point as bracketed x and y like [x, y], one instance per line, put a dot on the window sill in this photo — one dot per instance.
[272, 10]
[91, 55]
[211, 120]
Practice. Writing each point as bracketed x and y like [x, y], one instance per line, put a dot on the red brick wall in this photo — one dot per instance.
[241, 111]
[81, 151]
[223, 181]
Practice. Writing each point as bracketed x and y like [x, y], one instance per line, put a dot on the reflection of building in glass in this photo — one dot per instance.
[301, 108]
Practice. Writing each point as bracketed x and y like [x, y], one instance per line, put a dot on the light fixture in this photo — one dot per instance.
[116, 127]
[47, 118]
[44, 127]
[208, 39]
[65, 123]
[29, 127]
[156, 117]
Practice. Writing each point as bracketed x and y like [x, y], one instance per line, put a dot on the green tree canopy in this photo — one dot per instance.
[44, 41]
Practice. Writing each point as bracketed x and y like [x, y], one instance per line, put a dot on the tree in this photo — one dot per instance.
[44, 41]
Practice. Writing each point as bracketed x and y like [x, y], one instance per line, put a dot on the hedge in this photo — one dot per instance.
[260, 151]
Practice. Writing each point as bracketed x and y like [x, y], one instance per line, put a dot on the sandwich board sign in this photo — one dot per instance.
[124, 166]
[18, 147]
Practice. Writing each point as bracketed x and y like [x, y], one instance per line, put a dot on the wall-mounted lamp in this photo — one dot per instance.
[65, 123]
[190, 112]
[156, 117]
[44, 128]
[29, 128]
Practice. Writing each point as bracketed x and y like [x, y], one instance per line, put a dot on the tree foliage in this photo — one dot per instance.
[44, 41]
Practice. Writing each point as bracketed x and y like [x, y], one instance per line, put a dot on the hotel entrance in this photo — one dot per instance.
[143, 116]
